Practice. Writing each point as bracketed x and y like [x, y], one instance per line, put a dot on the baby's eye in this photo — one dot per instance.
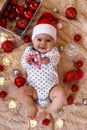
[48, 40]
[39, 39]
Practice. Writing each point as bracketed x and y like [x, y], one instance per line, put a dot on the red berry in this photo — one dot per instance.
[77, 37]
[26, 38]
[79, 63]
[7, 46]
[74, 88]
[22, 23]
[70, 100]
[46, 121]
[19, 81]
[71, 13]
[3, 94]
[1, 68]
[33, 5]
[19, 10]
[28, 14]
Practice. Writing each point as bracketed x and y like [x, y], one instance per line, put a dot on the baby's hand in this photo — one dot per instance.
[44, 60]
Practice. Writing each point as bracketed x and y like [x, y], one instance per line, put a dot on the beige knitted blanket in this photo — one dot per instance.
[74, 116]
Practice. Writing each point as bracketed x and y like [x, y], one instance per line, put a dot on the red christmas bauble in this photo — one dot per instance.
[7, 46]
[1, 67]
[9, 7]
[5, 13]
[79, 63]
[74, 88]
[71, 13]
[19, 81]
[46, 121]
[70, 76]
[28, 14]
[3, 94]
[33, 5]
[26, 38]
[29, 1]
[13, 2]
[19, 10]
[70, 100]
[12, 15]
[79, 74]
[22, 23]
[3, 22]
[77, 37]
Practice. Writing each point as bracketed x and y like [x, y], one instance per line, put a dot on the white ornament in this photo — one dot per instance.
[55, 10]
[59, 25]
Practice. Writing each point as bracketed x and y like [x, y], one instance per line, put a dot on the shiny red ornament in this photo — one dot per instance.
[79, 63]
[19, 81]
[74, 88]
[5, 13]
[77, 37]
[73, 75]
[3, 94]
[34, 5]
[3, 22]
[7, 46]
[9, 7]
[12, 15]
[71, 13]
[29, 1]
[70, 100]
[1, 68]
[13, 2]
[22, 23]
[28, 14]
[26, 38]
[46, 122]
[19, 10]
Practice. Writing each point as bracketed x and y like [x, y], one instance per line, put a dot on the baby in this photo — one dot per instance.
[40, 62]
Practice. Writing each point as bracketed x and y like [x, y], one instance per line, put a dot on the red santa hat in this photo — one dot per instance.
[46, 25]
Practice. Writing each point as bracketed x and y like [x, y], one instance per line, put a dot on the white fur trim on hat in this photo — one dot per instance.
[44, 29]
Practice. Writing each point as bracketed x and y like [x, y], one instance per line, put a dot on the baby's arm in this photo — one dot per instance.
[24, 62]
[54, 56]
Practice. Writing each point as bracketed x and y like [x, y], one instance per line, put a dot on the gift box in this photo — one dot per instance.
[17, 15]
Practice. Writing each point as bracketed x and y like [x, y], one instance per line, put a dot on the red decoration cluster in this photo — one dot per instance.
[22, 14]
[72, 76]
[1, 67]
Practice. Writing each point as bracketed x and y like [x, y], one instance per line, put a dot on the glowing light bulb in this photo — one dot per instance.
[33, 123]
[59, 123]
[2, 80]
[12, 104]
[6, 61]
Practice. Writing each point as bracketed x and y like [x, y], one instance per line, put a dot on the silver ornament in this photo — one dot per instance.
[55, 10]
[84, 101]
[60, 111]
[61, 48]
[16, 72]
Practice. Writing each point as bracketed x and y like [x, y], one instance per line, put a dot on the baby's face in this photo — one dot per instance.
[43, 43]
